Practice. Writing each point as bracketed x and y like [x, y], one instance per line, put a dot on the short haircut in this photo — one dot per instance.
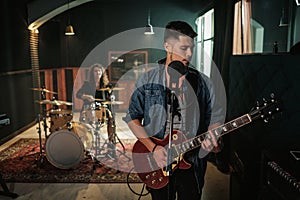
[176, 28]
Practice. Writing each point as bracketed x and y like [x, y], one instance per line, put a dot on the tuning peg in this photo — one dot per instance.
[272, 97]
[266, 120]
[265, 102]
[257, 105]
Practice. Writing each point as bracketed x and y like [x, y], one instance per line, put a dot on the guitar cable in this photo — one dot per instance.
[141, 194]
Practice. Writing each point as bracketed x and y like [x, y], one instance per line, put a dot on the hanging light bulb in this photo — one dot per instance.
[149, 27]
[69, 29]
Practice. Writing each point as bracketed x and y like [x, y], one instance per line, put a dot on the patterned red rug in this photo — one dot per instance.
[20, 163]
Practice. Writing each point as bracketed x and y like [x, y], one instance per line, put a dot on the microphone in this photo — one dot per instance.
[176, 69]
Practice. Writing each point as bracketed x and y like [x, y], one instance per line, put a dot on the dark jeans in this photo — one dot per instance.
[182, 184]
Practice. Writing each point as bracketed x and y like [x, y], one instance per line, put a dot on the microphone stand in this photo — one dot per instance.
[175, 69]
[169, 150]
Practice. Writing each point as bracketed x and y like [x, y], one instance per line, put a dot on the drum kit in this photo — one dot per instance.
[70, 141]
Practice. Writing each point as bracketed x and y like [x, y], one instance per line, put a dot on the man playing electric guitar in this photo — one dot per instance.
[174, 86]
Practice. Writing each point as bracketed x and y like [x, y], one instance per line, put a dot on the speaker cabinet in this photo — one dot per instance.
[280, 176]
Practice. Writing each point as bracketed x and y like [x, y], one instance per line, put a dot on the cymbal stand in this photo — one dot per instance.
[97, 140]
[45, 126]
[40, 118]
[44, 111]
[40, 159]
[96, 151]
[114, 135]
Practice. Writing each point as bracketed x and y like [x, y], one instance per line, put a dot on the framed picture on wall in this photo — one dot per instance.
[126, 65]
[124, 70]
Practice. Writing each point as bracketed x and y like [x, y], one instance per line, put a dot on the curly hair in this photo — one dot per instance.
[104, 78]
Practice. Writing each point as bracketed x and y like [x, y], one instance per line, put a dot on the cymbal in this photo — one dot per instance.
[99, 99]
[113, 102]
[108, 88]
[54, 102]
[43, 90]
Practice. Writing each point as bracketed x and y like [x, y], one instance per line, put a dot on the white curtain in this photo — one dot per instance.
[242, 28]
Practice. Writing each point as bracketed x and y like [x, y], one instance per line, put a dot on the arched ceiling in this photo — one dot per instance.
[40, 11]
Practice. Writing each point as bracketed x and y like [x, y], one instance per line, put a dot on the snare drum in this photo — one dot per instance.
[65, 148]
[59, 119]
[101, 114]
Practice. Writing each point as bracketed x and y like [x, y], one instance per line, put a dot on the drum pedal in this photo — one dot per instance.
[112, 154]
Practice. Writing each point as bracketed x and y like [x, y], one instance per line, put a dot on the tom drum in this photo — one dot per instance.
[59, 119]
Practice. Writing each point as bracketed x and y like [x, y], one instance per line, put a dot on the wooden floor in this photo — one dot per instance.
[216, 186]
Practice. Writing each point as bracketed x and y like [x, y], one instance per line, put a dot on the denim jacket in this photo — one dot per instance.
[149, 105]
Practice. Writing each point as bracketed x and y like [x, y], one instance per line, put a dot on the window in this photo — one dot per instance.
[205, 40]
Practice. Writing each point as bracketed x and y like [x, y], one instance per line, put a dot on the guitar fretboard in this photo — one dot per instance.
[218, 132]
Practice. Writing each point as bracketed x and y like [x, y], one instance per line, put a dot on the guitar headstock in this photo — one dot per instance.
[266, 109]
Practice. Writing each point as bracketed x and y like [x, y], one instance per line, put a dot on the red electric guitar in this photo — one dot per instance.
[156, 178]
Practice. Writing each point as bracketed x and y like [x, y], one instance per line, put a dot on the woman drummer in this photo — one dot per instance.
[93, 92]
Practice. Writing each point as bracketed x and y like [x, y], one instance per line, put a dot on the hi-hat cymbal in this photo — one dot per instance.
[54, 102]
[112, 102]
[108, 88]
[43, 90]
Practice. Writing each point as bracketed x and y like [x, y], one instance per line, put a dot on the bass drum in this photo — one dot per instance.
[66, 148]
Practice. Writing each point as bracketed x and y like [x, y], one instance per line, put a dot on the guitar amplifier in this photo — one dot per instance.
[280, 176]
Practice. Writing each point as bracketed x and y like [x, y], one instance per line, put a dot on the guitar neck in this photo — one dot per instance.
[219, 131]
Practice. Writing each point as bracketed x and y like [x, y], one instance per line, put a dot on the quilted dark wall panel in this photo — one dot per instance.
[254, 77]
[251, 78]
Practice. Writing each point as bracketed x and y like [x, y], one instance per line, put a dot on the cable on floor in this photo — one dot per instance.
[141, 194]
